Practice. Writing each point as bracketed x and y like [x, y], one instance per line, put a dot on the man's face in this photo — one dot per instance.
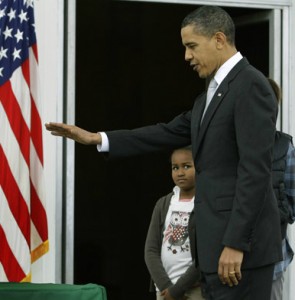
[200, 51]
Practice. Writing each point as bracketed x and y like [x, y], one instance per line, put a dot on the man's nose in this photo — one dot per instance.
[188, 55]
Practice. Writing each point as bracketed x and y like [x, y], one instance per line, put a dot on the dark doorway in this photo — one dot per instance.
[130, 72]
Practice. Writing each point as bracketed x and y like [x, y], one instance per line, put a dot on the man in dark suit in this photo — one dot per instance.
[232, 135]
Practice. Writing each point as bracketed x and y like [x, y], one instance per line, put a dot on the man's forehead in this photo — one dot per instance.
[190, 35]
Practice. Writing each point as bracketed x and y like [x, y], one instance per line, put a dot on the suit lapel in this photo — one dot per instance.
[215, 102]
[198, 112]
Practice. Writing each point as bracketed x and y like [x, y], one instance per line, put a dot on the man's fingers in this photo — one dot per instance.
[75, 133]
[60, 129]
[229, 275]
[224, 275]
[52, 125]
[220, 273]
[238, 272]
[233, 277]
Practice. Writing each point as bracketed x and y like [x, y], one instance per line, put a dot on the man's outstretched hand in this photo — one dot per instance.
[75, 133]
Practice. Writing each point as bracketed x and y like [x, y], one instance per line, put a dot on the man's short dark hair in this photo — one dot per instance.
[208, 20]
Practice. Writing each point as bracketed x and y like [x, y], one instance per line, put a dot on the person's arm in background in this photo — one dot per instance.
[290, 179]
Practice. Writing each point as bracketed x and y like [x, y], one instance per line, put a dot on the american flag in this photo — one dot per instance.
[23, 220]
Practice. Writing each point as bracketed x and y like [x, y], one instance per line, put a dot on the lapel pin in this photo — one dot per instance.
[219, 94]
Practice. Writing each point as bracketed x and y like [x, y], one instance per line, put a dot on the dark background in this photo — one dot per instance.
[130, 72]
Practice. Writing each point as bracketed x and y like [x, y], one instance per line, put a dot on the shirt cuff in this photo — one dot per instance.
[105, 146]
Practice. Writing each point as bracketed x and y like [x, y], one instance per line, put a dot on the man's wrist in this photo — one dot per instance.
[97, 138]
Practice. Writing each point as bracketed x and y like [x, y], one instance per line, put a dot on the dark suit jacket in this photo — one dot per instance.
[234, 204]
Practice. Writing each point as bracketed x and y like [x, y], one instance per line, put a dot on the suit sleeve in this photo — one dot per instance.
[156, 138]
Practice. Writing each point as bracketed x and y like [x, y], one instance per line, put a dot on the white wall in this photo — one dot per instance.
[49, 27]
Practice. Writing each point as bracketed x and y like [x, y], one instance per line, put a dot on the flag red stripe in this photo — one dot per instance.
[38, 215]
[16, 202]
[10, 265]
[36, 131]
[35, 50]
[16, 119]
[26, 71]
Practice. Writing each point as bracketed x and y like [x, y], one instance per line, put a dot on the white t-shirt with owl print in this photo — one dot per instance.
[176, 252]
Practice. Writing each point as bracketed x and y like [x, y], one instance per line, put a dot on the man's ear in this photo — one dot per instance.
[220, 39]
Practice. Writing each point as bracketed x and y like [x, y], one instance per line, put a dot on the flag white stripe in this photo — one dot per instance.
[3, 277]
[35, 237]
[14, 236]
[34, 80]
[22, 94]
[37, 175]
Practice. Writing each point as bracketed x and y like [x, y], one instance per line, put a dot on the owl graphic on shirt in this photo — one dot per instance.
[176, 234]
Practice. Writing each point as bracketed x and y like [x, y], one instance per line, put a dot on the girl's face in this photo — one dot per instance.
[183, 170]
